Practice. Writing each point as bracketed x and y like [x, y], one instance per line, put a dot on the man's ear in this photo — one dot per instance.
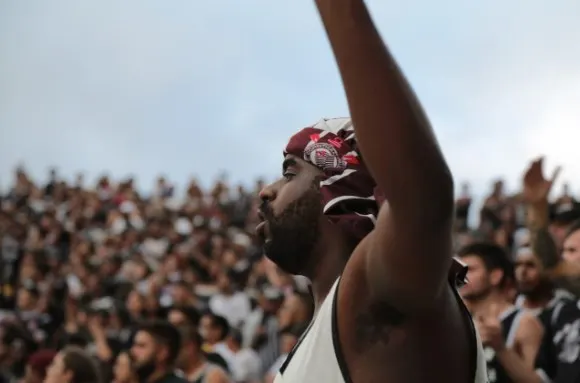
[162, 354]
[495, 277]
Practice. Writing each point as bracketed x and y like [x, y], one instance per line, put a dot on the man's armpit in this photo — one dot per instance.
[376, 324]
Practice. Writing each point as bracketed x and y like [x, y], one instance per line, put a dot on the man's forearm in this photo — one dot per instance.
[538, 215]
[544, 247]
[394, 134]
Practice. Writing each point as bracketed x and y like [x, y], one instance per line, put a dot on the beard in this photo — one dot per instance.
[145, 369]
[536, 290]
[294, 232]
[474, 296]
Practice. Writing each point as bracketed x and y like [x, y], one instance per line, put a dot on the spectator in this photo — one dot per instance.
[193, 362]
[155, 350]
[123, 370]
[261, 328]
[183, 316]
[37, 366]
[571, 243]
[16, 344]
[288, 339]
[214, 330]
[246, 365]
[537, 291]
[229, 303]
[72, 365]
[511, 337]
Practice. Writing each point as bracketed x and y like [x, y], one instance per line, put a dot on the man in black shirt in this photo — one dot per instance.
[537, 292]
[559, 357]
[510, 336]
[155, 350]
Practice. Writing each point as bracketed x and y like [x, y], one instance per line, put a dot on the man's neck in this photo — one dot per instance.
[332, 258]
[481, 307]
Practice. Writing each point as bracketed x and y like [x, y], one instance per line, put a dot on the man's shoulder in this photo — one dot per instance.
[569, 312]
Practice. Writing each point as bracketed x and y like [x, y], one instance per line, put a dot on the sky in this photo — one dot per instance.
[193, 88]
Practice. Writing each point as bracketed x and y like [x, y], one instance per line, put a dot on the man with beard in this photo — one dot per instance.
[154, 351]
[193, 363]
[386, 306]
[558, 360]
[537, 292]
[511, 337]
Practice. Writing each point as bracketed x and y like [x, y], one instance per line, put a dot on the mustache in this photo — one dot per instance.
[266, 211]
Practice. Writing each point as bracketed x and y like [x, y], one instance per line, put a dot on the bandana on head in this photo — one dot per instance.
[348, 190]
[350, 196]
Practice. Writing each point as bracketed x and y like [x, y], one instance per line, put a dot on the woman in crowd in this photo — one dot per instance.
[72, 365]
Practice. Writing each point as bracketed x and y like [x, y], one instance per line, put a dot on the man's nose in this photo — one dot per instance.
[269, 192]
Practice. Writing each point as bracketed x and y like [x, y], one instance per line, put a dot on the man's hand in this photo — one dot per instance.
[536, 186]
[489, 328]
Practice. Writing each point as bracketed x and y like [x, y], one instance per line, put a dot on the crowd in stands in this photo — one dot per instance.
[101, 283]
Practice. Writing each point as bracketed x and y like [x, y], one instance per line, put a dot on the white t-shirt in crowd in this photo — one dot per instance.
[246, 366]
[235, 308]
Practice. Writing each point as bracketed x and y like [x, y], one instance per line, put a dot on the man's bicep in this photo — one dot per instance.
[407, 262]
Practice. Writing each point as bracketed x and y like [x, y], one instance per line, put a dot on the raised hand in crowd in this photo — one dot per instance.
[547, 239]
[536, 189]
[99, 335]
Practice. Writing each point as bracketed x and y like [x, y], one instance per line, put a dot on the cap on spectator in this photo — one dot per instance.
[565, 213]
[40, 360]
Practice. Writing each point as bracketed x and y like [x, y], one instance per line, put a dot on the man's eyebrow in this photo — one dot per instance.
[287, 163]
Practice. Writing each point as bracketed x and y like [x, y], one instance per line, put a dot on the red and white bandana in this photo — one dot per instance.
[348, 191]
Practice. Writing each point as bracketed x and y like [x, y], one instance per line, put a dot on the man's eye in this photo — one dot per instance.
[289, 175]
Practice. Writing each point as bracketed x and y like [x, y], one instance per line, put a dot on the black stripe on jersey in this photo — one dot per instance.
[466, 315]
[336, 340]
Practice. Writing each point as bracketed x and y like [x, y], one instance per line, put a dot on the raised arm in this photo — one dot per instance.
[409, 253]
[536, 189]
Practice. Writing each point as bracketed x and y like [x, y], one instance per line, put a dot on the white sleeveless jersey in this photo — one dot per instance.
[315, 358]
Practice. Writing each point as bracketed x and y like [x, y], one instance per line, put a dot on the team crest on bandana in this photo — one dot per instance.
[324, 156]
